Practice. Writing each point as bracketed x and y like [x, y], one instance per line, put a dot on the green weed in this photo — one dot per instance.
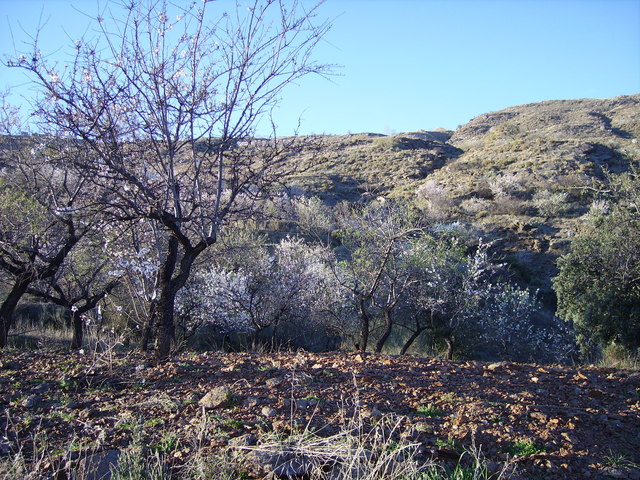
[429, 411]
[524, 448]
[167, 444]
[154, 422]
[620, 461]
[450, 443]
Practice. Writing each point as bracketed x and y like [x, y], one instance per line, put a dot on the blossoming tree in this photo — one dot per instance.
[167, 100]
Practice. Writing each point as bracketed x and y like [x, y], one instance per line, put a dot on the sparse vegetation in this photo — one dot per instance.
[157, 220]
[370, 415]
[429, 411]
[524, 448]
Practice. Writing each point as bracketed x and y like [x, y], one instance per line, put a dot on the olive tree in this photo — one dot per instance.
[598, 284]
[167, 100]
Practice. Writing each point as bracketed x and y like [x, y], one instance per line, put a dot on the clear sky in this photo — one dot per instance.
[423, 64]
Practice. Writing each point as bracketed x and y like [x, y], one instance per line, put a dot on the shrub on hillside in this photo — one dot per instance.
[550, 204]
[598, 285]
[434, 199]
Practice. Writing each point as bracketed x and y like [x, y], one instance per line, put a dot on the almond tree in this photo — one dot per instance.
[373, 272]
[287, 283]
[168, 101]
[446, 298]
[79, 285]
[464, 301]
[136, 249]
[41, 218]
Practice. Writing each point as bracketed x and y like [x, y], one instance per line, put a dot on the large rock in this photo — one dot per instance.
[219, 397]
[98, 466]
[283, 465]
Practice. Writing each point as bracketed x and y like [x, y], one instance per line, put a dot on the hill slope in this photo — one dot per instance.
[523, 176]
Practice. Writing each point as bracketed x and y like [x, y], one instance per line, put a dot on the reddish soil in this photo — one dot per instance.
[585, 420]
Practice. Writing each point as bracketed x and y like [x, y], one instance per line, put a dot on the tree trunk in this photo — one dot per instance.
[9, 305]
[167, 329]
[449, 352]
[388, 324]
[149, 324]
[77, 317]
[170, 284]
[30, 273]
[166, 301]
[274, 339]
[414, 336]
[78, 332]
[365, 323]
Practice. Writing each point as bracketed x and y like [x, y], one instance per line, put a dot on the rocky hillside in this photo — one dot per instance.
[523, 176]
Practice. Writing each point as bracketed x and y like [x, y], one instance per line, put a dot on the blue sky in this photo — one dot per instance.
[423, 64]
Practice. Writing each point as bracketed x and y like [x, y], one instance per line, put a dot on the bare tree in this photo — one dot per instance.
[41, 217]
[83, 280]
[168, 101]
[374, 273]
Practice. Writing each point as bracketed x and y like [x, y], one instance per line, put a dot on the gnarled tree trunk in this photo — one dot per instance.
[388, 325]
[9, 305]
[365, 325]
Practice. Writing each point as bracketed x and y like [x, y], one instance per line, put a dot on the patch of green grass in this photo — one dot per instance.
[135, 464]
[450, 442]
[620, 461]
[64, 415]
[167, 444]
[230, 422]
[524, 448]
[29, 420]
[266, 368]
[429, 411]
[423, 427]
[79, 445]
[68, 384]
[129, 426]
[457, 473]
[154, 422]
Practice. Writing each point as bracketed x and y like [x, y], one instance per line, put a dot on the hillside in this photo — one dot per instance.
[548, 139]
[522, 177]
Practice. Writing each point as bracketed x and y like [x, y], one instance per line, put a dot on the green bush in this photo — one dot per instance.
[598, 284]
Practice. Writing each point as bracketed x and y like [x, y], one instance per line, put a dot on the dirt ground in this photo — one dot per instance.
[578, 422]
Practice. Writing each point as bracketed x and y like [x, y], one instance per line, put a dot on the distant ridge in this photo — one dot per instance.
[522, 177]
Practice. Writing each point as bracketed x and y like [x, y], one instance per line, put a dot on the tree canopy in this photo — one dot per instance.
[598, 284]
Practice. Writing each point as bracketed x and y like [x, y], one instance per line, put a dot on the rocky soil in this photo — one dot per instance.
[584, 422]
